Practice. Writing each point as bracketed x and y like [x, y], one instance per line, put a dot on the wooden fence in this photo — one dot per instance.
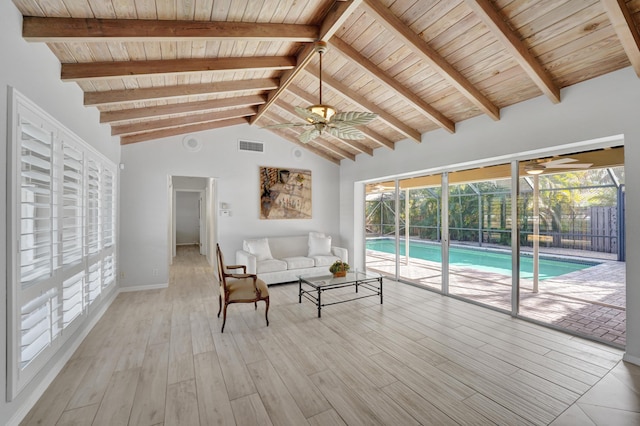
[604, 229]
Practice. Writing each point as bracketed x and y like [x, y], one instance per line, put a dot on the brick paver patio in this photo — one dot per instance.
[589, 302]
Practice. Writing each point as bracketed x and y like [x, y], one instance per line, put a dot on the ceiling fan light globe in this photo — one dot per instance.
[324, 111]
[534, 169]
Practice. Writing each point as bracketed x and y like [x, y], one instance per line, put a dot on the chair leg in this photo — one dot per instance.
[224, 318]
[266, 311]
[256, 305]
[220, 305]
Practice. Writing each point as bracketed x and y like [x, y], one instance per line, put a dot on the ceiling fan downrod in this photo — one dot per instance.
[321, 47]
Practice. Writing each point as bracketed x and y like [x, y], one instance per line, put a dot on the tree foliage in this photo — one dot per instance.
[481, 211]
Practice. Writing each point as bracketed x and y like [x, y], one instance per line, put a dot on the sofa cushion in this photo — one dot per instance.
[324, 260]
[299, 262]
[271, 265]
[259, 248]
[319, 246]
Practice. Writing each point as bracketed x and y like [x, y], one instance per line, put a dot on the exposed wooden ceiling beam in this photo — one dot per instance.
[306, 96]
[146, 126]
[420, 47]
[516, 48]
[336, 16]
[157, 134]
[626, 29]
[54, 30]
[181, 91]
[374, 71]
[118, 69]
[286, 79]
[182, 108]
[378, 138]
[288, 135]
[361, 101]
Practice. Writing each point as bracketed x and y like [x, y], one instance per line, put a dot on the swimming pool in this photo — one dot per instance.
[482, 259]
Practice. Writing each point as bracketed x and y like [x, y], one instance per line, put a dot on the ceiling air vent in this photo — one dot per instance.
[251, 146]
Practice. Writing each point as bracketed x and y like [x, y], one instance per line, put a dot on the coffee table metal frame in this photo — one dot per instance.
[319, 284]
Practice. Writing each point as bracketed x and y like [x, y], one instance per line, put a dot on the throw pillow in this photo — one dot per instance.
[319, 246]
[260, 249]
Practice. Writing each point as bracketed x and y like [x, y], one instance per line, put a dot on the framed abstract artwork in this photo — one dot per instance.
[285, 193]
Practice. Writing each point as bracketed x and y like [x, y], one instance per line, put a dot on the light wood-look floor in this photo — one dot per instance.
[158, 357]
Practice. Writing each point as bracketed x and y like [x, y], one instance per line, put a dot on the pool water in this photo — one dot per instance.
[482, 259]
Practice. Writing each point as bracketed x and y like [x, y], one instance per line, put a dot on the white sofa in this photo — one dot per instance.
[282, 259]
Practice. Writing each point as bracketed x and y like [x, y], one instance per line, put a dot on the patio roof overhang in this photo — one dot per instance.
[601, 158]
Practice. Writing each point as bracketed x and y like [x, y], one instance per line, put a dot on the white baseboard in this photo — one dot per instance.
[144, 287]
[632, 359]
[37, 393]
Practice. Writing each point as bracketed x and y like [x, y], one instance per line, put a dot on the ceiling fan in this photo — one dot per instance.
[535, 168]
[324, 118]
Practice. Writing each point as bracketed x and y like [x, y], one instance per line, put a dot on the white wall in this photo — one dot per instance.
[600, 107]
[33, 70]
[144, 217]
[187, 217]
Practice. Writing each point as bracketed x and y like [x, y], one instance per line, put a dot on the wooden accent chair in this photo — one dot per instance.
[240, 288]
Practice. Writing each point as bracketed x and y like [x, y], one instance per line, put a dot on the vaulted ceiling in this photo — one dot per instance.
[157, 68]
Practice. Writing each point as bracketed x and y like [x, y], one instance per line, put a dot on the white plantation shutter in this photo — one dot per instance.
[93, 207]
[108, 270]
[94, 282]
[62, 224]
[108, 208]
[36, 202]
[72, 205]
[72, 306]
[39, 326]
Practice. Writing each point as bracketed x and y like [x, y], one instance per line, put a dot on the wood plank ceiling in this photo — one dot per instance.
[157, 68]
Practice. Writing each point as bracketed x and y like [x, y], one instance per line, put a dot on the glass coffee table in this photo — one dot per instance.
[312, 287]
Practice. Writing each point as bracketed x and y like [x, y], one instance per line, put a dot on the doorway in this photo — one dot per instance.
[190, 219]
[192, 223]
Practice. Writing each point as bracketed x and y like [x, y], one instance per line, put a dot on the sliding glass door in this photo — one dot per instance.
[571, 219]
[480, 235]
[454, 233]
[420, 259]
[380, 228]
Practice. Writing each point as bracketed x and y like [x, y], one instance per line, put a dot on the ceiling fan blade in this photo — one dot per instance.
[553, 163]
[308, 135]
[308, 115]
[571, 166]
[345, 132]
[352, 118]
[279, 126]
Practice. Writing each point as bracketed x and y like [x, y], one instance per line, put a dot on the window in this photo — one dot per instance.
[37, 204]
[62, 213]
[72, 208]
